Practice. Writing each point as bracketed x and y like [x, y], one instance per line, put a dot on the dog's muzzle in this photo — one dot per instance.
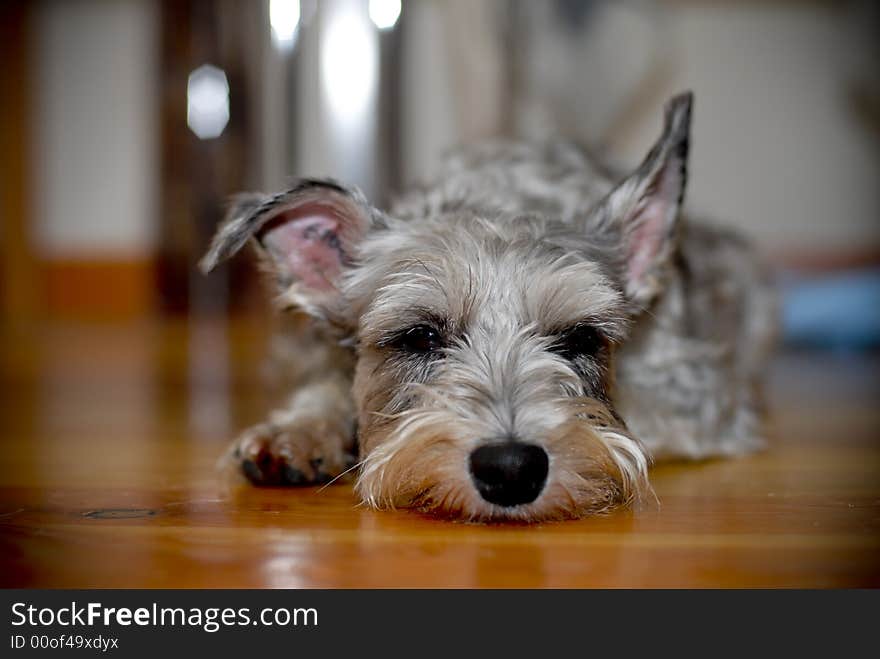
[509, 474]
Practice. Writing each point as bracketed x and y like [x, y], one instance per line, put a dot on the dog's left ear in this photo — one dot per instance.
[642, 212]
[305, 237]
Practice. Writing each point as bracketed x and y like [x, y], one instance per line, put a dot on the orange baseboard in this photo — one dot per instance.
[126, 287]
[828, 261]
[112, 288]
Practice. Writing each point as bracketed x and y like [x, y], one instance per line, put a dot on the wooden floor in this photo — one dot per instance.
[110, 434]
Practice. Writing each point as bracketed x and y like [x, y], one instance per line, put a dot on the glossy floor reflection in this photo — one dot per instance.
[110, 436]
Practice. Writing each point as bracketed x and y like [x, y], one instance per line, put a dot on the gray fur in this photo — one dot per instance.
[511, 249]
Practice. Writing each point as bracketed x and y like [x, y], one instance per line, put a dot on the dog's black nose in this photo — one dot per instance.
[509, 474]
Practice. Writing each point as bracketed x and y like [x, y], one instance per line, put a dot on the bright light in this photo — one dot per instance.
[284, 19]
[207, 102]
[348, 63]
[384, 13]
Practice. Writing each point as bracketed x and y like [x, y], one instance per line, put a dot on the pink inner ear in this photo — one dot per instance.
[305, 244]
[646, 240]
[651, 223]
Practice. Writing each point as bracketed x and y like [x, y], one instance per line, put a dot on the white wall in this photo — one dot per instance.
[96, 183]
[777, 147]
[429, 107]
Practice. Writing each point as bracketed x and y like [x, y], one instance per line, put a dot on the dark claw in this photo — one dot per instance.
[252, 471]
[293, 476]
[321, 476]
[265, 459]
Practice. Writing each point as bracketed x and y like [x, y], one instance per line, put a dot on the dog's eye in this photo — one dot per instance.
[420, 338]
[579, 341]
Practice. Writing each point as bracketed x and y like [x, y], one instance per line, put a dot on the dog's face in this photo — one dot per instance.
[485, 341]
[483, 380]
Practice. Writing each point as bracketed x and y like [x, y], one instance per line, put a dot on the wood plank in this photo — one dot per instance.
[107, 479]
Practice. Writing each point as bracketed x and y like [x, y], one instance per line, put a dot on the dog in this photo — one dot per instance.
[515, 339]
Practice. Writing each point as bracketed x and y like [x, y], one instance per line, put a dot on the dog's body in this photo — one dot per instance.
[511, 340]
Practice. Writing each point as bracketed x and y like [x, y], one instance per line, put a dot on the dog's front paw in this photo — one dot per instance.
[307, 452]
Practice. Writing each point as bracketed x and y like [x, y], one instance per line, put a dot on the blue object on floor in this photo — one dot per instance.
[837, 311]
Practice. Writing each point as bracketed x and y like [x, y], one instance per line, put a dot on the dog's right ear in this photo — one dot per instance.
[643, 210]
[305, 236]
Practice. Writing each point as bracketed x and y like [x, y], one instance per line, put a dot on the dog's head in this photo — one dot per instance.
[485, 344]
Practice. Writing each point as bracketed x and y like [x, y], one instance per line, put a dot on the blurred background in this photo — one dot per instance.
[127, 123]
